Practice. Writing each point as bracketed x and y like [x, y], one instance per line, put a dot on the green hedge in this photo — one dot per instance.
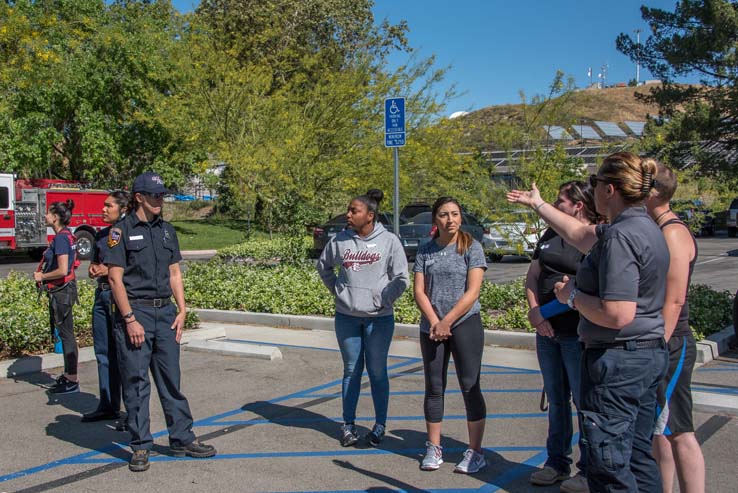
[710, 311]
[280, 249]
[24, 317]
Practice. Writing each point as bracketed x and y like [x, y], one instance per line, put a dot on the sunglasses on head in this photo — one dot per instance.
[593, 179]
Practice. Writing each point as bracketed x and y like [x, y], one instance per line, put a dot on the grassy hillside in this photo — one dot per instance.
[616, 104]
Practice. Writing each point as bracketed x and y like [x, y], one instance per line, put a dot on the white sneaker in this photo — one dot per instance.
[472, 462]
[433, 457]
[575, 484]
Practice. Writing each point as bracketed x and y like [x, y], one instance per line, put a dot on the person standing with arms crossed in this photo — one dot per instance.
[448, 277]
[144, 273]
[108, 375]
[675, 446]
[372, 274]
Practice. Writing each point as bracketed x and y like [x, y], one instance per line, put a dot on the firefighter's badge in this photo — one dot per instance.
[114, 237]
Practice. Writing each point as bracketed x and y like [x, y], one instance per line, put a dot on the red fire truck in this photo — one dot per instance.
[23, 205]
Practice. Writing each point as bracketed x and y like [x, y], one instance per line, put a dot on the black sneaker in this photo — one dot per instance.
[100, 415]
[64, 386]
[375, 436]
[348, 435]
[196, 450]
[139, 461]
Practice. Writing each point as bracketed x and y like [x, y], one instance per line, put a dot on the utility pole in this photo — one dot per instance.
[638, 56]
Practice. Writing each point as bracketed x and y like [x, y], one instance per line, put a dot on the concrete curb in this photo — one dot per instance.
[707, 349]
[257, 351]
[504, 338]
[33, 364]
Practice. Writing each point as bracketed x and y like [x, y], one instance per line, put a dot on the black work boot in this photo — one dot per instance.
[139, 461]
[195, 450]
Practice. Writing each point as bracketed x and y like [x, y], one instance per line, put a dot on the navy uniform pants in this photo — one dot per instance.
[108, 376]
[160, 354]
[618, 416]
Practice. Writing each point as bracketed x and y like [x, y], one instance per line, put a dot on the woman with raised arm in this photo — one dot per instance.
[448, 277]
[619, 293]
[372, 274]
[557, 345]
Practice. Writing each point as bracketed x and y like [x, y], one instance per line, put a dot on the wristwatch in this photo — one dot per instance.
[128, 315]
[572, 295]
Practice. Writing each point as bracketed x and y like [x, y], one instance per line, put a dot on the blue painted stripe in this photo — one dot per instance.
[422, 392]
[338, 419]
[315, 453]
[716, 390]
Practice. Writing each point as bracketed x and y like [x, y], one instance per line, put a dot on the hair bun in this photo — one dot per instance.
[70, 204]
[375, 194]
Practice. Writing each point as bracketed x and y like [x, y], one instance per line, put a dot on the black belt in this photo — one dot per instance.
[104, 286]
[628, 345]
[155, 302]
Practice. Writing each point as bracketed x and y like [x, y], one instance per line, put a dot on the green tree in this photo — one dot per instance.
[81, 84]
[700, 37]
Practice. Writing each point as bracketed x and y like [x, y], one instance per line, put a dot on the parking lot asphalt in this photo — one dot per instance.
[276, 423]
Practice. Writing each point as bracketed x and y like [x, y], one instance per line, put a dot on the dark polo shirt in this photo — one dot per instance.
[629, 262]
[145, 251]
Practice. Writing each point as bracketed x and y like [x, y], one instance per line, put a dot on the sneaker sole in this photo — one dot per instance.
[431, 468]
[52, 392]
[353, 441]
[143, 468]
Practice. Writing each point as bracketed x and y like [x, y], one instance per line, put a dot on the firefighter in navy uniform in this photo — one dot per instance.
[144, 273]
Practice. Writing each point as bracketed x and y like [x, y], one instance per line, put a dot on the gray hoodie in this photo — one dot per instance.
[372, 274]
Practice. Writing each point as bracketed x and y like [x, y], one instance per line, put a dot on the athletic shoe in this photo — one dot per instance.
[576, 484]
[64, 386]
[433, 457]
[375, 436]
[139, 461]
[348, 435]
[195, 450]
[547, 476]
[472, 462]
[100, 415]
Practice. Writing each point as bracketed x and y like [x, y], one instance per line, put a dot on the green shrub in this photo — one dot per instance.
[24, 317]
[710, 311]
[284, 249]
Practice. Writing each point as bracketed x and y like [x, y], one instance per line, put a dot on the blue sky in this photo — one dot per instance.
[496, 48]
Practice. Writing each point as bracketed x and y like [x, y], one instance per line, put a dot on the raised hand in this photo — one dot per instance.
[531, 197]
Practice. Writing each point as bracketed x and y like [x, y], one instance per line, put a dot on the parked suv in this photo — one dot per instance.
[730, 221]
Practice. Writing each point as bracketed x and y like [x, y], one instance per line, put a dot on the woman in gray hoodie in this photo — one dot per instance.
[372, 274]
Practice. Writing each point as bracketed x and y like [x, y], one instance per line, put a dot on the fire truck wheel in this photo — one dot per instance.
[36, 253]
[84, 244]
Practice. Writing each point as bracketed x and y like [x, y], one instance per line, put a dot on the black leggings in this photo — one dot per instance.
[466, 344]
[61, 301]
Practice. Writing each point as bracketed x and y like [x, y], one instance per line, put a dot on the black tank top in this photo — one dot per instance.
[682, 326]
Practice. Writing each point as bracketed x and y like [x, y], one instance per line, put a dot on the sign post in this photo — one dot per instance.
[394, 136]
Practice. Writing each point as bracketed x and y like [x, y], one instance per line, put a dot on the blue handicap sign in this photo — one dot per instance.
[394, 122]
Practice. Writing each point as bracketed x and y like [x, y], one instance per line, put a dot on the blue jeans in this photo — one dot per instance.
[618, 416]
[560, 359]
[108, 375]
[365, 339]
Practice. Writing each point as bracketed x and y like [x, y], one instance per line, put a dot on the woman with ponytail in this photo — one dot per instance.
[448, 278]
[108, 375]
[56, 276]
[372, 274]
[619, 293]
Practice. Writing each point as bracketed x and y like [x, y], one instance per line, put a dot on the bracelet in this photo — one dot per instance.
[539, 206]
[128, 322]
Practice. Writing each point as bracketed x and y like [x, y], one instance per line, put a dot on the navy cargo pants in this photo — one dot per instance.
[108, 376]
[160, 353]
[618, 416]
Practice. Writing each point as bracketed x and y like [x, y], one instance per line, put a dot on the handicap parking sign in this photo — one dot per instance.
[394, 122]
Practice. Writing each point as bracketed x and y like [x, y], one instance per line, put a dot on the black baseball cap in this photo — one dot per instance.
[149, 183]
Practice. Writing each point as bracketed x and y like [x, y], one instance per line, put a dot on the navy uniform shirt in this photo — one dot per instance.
[100, 251]
[145, 251]
[629, 262]
[59, 245]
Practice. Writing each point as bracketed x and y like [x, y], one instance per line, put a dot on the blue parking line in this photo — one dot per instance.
[339, 419]
[716, 390]
[422, 392]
